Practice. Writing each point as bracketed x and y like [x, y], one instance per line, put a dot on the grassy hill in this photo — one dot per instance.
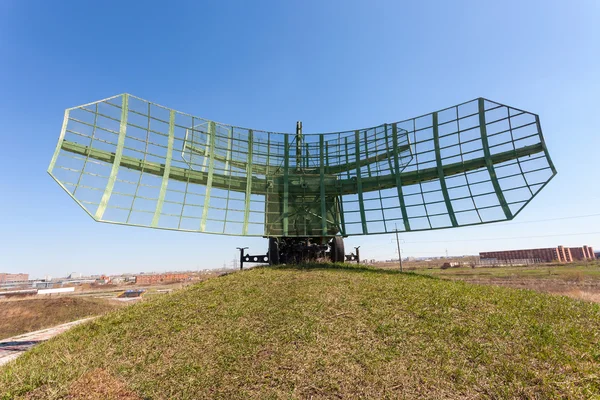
[324, 331]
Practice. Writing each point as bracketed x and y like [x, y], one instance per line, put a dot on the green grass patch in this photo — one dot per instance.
[323, 331]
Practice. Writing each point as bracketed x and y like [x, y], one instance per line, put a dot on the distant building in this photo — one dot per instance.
[43, 285]
[148, 279]
[582, 253]
[12, 278]
[561, 254]
[75, 275]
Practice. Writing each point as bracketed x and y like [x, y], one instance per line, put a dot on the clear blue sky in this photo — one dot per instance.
[334, 65]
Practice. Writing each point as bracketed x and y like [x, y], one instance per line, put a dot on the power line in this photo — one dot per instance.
[506, 238]
[515, 237]
[552, 219]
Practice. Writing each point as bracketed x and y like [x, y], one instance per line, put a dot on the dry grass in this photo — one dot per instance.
[18, 316]
[326, 332]
[95, 384]
[580, 290]
[100, 384]
[583, 295]
[579, 281]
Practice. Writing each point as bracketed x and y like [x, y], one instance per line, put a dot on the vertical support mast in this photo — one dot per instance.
[298, 144]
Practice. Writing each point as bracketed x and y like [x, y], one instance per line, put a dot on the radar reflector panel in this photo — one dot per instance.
[125, 160]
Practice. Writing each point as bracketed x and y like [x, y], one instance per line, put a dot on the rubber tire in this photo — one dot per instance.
[337, 249]
[273, 251]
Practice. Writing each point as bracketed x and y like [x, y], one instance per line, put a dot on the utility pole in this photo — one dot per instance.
[398, 244]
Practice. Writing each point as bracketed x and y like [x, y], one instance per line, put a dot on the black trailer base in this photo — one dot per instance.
[294, 250]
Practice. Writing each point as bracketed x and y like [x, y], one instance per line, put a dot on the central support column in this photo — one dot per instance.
[298, 145]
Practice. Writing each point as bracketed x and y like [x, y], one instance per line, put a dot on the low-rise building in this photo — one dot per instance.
[550, 254]
[582, 253]
[12, 278]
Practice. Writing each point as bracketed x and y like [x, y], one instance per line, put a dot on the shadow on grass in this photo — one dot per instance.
[18, 345]
[345, 267]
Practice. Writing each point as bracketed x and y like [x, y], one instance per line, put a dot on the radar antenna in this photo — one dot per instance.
[128, 161]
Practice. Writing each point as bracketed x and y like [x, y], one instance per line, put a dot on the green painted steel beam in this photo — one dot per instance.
[85, 162]
[543, 143]
[286, 184]
[440, 170]
[248, 183]
[390, 160]
[306, 158]
[60, 142]
[398, 175]
[322, 184]
[117, 160]
[367, 153]
[347, 156]
[268, 163]
[166, 171]
[259, 186]
[489, 163]
[359, 188]
[228, 153]
[207, 148]
[428, 174]
[212, 131]
[340, 203]
[329, 169]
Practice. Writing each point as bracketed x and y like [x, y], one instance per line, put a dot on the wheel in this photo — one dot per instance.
[273, 251]
[337, 249]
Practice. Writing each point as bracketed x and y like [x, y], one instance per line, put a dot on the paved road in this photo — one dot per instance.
[13, 347]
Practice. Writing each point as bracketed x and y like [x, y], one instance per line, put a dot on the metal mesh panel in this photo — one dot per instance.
[126, 160]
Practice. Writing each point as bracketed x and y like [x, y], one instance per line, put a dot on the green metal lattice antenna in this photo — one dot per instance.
[128, 161]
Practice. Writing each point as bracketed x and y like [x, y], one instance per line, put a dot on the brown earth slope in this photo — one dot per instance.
[27, 315]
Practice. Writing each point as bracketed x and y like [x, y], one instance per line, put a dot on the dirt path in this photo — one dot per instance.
[13, 347]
